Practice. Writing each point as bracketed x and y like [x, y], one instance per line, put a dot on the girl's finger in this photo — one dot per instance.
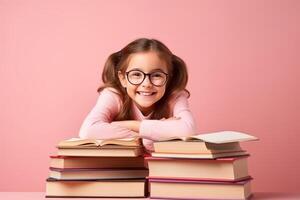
[174, 118]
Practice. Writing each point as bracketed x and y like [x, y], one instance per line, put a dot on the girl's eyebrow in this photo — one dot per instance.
[157, 69]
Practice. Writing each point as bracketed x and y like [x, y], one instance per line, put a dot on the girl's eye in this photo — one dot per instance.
[136, 74]
[157, 75]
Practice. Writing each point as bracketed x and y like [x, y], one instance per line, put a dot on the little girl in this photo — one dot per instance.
[143, 94]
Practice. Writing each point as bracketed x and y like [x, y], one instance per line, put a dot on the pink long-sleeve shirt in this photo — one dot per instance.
[97, 124]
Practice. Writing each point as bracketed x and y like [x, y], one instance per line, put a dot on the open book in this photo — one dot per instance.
[219, 137]
[89, 143]
[210, 145]
[125, 147]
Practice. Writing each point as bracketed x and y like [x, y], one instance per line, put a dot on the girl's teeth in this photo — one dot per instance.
[146, 93]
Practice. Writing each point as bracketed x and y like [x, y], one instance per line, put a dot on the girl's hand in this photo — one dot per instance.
[129, 124]
[171, 118]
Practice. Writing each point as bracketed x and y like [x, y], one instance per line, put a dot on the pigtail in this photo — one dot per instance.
[110, 79]
[110, 72]
[179, 76]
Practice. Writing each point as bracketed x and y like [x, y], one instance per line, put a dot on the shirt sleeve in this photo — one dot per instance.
[160, 130]
[97, 124]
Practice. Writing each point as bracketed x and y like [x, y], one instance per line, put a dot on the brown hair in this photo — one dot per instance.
[118, 61]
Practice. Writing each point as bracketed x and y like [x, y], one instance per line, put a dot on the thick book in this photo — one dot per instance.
[200, 155]
[194, 189]
[210, 143]
[66, 162]
[95, 188]
[222, 169]
[94, 174]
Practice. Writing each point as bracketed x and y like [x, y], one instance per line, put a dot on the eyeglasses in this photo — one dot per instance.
[136, 77]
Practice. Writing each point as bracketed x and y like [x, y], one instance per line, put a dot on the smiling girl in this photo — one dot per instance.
[143, 94]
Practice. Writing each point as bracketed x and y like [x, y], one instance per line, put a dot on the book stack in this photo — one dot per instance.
[206, 166]
[98, 168]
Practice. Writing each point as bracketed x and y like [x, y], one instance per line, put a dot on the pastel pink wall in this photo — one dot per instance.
[243, 59]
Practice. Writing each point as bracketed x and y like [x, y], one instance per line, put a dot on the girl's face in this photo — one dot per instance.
[145, 90]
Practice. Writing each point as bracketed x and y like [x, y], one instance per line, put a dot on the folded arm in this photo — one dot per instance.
[157, 130]
[97, 125]
[181, 124]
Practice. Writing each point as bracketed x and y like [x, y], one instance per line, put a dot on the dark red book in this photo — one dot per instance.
[65, 162]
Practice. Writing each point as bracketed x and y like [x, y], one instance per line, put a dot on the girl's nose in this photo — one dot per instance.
[146, 81]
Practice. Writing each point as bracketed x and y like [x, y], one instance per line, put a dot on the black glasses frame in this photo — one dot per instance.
[145, 75]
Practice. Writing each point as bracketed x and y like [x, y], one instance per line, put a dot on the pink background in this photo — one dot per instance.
[243, 60]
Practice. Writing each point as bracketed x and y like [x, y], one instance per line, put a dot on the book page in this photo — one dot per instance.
[80, 142]
[225, 137]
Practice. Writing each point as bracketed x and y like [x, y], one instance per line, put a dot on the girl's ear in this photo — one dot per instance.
[122, 79]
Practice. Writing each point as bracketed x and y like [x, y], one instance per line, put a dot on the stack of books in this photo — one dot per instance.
[206, 166]
[98, 168]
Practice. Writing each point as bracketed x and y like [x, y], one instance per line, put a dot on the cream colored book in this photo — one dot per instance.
[92, 174]
[219, 137]
[87, 143]
[199, 155]
[210, 143]
[221, 169]
[180, 189]
[125, 147]
[101, 152]
[95, 188]
[195, 146]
